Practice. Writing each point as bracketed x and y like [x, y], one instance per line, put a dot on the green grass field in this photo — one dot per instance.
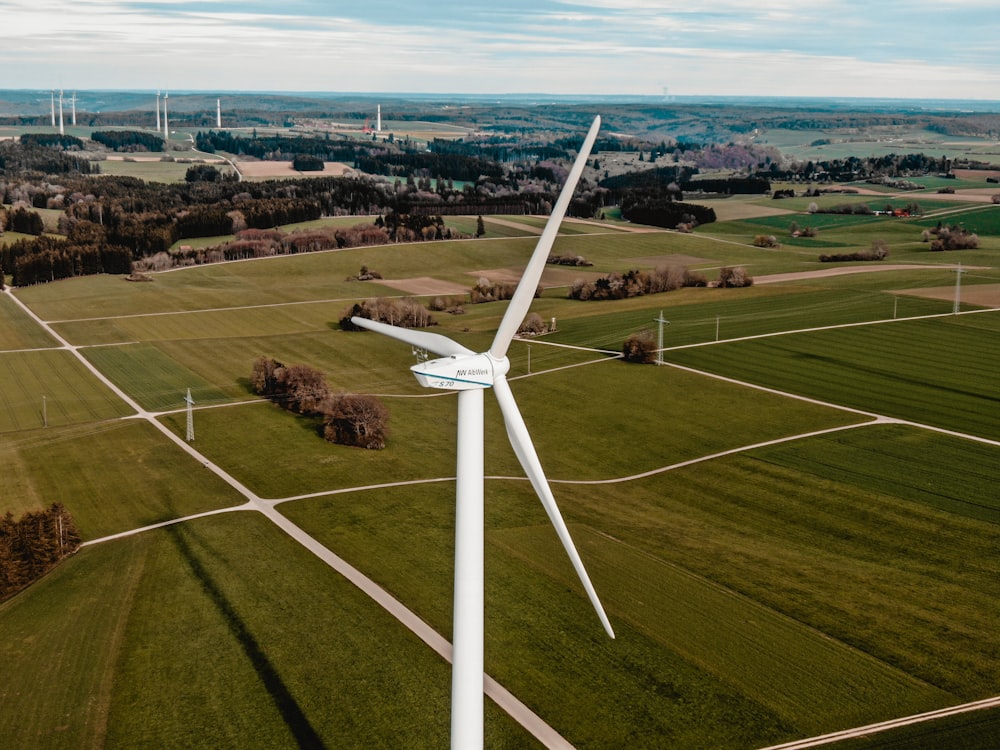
[883, 368]
[760, 593]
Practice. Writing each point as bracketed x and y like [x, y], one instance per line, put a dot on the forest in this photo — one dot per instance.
[110, 223]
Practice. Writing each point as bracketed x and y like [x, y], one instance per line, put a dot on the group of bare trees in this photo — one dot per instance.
[347, 419]
[485, 290]
[636, 283]
[878, 251]
[733, 277]
[31, 545]
[640, 348]
[951, 238]
[405, 312]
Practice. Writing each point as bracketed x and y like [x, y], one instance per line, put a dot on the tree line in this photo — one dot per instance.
[371, 157]
[46, 258]
[128, 140]
[347, 419]
[659, 210]
[32, 158]
[31, 545]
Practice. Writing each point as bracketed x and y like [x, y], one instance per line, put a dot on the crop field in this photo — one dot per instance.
[50, 386]
[793, 523]
[153, 170]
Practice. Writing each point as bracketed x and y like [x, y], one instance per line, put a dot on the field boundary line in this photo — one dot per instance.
[829, 328]
[199, 311]
[720, 454]
[877, 418]
[884, 726]
[248, 505]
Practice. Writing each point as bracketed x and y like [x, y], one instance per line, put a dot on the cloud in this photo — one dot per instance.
[559, 46]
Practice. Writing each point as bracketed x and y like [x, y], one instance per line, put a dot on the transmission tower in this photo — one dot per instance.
[190, 416]
[659, 338]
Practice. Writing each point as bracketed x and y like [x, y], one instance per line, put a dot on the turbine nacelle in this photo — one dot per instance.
[460, 372]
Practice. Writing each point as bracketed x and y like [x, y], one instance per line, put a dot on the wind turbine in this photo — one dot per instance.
[460, 369]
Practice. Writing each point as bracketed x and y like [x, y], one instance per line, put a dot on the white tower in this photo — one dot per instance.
[218, 114]
[166, 128]
[73, 102]
[61, 130]
[157, 111]
[378, 120]
[53, 95]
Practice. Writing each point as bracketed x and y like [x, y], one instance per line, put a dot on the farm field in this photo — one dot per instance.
[792, 524]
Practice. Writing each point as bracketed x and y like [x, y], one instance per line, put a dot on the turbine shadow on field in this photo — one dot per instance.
[303, 732]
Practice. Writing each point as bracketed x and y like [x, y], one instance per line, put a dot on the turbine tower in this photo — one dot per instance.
[166, 129]
[218, 114]
[460, 369]
[62, 131]
[157, 110]
[52, 94]
[73, 102]
[378, 119]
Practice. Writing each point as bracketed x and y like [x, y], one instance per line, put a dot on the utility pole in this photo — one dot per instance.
[659, 338]
[190, 416]
[958, 290]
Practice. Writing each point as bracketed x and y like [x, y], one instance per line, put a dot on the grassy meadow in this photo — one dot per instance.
[777, 562]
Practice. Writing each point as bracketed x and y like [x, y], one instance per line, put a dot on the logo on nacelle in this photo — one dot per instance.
[458, 373]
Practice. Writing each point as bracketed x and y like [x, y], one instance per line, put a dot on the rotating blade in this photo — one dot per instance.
[525, 451]
[432, 342]
[525, 291]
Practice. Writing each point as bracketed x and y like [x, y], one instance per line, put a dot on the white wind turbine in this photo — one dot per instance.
[460, 369]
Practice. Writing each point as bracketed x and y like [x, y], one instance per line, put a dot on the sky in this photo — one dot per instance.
[939, 49]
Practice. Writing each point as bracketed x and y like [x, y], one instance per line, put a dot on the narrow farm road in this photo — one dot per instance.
[885, 726]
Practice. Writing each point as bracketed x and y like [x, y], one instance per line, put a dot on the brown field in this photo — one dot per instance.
[976, 195]
[734, 209]
[976, 174]
[777, 278]
[983, 295]
[425, 285]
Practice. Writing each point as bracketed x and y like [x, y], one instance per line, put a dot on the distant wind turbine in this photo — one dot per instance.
[52, 95]
[157, 110]
[61, 129]
[73, 102]
[166, 128]
[460, 369]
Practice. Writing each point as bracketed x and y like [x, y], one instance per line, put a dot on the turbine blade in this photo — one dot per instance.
[525, 451]
[525, 291]
[432, 342]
